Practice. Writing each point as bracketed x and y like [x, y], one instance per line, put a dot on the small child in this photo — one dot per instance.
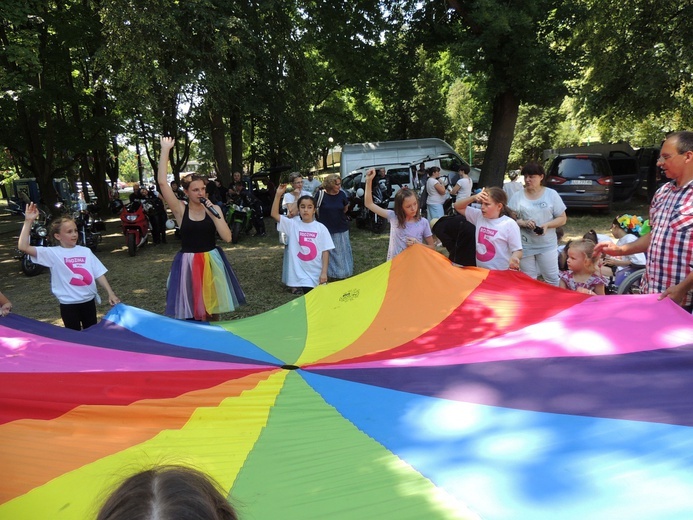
[626, 229]
[309, 244]
[582, 275]
[498, 237]
[74, 269]
[407, 226]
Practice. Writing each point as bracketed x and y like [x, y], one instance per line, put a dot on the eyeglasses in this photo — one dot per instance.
[665, 157]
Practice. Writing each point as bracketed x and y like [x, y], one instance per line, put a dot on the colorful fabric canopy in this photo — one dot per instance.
[415, 390]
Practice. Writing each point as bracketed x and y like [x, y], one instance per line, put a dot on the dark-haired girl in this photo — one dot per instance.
[498, 240]
[308, 244]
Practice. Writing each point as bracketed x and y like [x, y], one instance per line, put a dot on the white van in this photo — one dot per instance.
[411, 152]
[363, 155]
[404, 174]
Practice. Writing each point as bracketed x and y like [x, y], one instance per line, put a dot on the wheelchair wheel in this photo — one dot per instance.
[631, 284]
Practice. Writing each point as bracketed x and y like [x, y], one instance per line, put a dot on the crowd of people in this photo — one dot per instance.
[515, 227]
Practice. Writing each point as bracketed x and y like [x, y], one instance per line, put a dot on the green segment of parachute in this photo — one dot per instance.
[332, 470]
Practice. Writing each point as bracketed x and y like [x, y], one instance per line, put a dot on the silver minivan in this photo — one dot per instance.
[582, 180]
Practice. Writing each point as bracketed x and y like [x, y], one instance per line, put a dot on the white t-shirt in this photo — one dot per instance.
[512, 187]
[637, 258]
[307, 241]
[496, 239]
[544, 209]
[290, 198]
[433, 196]
[74, 271]
[311, 186]
[465, 191]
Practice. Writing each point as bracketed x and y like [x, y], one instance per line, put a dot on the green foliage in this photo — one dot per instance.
[536, 131]
[638, 61]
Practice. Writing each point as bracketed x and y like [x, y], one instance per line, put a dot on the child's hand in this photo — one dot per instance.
[370, 175]
[585, 291]
[5, 309]
[410, 241]
[281, 189]
[113, 299]
[167, 143]
[31, 212]
[514, 264]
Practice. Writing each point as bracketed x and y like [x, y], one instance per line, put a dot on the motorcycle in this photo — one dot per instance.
[89, 224]
[135, 223]
[365, 218]
[15, 207]
[240, 220]
[38, 237]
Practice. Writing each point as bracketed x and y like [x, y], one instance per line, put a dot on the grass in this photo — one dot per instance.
[140, 281]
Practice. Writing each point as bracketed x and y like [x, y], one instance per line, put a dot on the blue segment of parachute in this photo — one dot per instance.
[194, 335]
[510, 464]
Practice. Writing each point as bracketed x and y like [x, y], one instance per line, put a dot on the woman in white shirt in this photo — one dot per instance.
[436, 193]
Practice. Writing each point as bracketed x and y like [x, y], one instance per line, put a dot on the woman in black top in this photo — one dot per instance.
[201, 284]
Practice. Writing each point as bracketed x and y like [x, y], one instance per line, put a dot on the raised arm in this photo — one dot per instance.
[177, 206]
[368, 196]
[275, 203]
[461, 205]
[23, 244]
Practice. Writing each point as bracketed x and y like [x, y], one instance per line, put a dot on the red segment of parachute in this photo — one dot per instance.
[46, 396]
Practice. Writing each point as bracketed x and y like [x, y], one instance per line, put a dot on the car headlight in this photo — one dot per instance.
[41, 231]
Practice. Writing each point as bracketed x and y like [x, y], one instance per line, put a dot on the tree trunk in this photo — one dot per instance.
[221, 159]
[236, 124]
[505, 109]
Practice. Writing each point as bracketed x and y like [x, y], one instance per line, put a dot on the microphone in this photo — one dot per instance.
[211, 209]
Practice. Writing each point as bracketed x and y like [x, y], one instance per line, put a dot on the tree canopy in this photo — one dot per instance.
[266, 83]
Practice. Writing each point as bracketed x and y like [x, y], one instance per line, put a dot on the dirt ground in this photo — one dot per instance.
[139, 281]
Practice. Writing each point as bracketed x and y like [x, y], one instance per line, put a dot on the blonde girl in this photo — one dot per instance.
[407, 226]
[582, 275]
[75, 270]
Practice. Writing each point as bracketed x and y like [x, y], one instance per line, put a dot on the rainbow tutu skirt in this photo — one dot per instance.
[202, 284]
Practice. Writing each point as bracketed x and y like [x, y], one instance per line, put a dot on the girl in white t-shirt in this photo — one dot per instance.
[74, 270]
[498, 238]
[308, 244]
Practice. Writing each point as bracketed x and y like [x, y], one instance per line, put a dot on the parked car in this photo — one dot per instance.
[582, 180]
[627, 175]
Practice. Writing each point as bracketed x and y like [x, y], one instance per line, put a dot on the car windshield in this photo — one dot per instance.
[576, 167]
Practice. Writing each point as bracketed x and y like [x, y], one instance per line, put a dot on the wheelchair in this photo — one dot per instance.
[629, 285]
